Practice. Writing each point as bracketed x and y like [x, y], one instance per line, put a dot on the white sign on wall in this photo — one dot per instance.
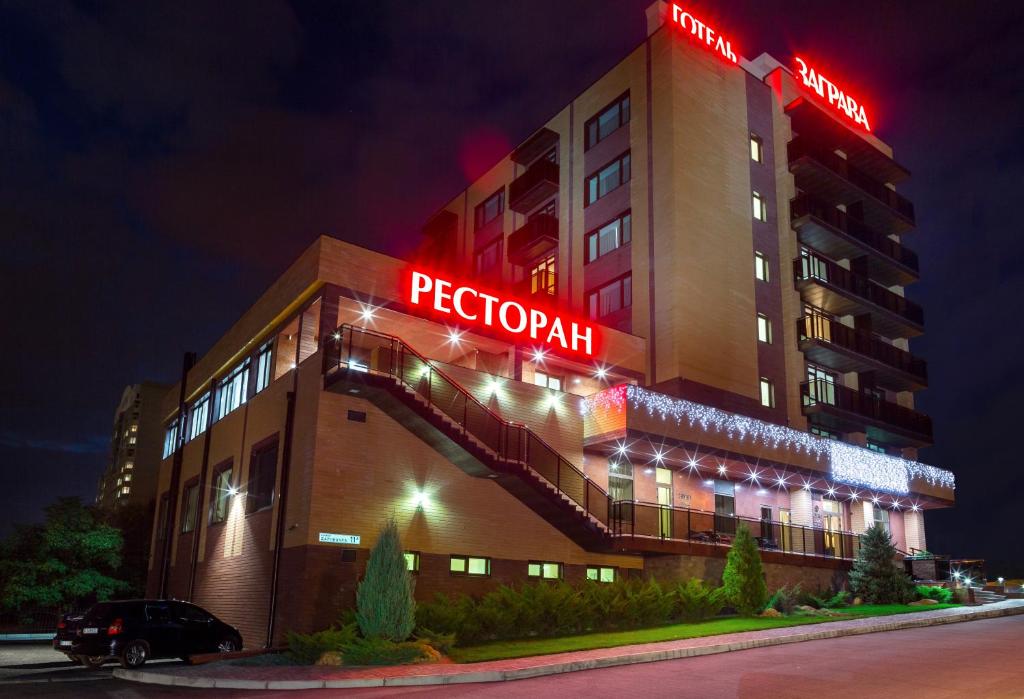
[328, 538]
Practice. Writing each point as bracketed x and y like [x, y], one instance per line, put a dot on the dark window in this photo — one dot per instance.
[548, 209]
[607, 121]
[610, 236]
[357, 416]
[608, 178]
[490, 209]
[612, 297]
[262, 477]
[157, 613]
[191, 613]
[221, 492]
[488, 258]
[190, 507]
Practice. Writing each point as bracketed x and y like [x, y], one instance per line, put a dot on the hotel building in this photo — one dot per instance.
[677, 307]
[131, 474]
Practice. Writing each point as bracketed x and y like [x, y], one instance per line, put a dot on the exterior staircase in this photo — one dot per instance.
[985, 596]
[436, 408]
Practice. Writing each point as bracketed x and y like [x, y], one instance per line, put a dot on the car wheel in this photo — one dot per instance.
[134, 654]
[92, 662]
[228, 645]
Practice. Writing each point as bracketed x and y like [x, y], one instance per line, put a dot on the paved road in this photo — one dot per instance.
[975, 659]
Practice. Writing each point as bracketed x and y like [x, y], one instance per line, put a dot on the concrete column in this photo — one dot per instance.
[913, 527]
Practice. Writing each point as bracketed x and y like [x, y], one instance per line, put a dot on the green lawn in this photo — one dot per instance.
[498, 650]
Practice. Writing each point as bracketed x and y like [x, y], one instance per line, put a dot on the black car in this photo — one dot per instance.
[133, 631]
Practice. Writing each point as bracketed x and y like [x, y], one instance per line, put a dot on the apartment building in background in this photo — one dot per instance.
[135, 448]
[676, 308]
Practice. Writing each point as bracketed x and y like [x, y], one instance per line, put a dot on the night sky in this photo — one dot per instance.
[162, 163]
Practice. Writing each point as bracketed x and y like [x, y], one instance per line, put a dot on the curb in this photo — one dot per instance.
[555, 668]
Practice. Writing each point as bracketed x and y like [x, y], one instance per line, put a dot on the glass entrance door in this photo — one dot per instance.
[832, 523]
[786, 519]
[663, 477]
[725, 507]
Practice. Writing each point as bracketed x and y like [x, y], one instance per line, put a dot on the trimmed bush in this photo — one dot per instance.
[743, 578]
[935, 592]
[306, 648]
[785, 599]
[875, 576]
[697, 601]
[385, 607]
[380, 651]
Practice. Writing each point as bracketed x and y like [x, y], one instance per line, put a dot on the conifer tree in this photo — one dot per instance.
[385, 607]
[743, 579]
[875, 576]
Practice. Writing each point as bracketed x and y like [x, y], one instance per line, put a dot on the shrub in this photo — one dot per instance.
[935, 592]
[385, 607]
[875, 576]
[443, 642]
[306, 648]
[743, 578]
[697, 601]
[825, 599]
[785, 599]
[380, 651]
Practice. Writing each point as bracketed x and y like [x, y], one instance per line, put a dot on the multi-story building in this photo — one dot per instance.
[135, 448]
[676, 308]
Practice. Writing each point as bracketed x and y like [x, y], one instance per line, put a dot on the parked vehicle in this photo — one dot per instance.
[134, 631]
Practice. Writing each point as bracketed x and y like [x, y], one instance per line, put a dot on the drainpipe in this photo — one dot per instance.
[286, 460]
[187, 363]
[197, 532]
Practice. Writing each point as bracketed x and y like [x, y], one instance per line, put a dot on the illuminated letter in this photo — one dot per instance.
[457, 302]
[503, 317]
[440, 295]
[577, 336]
[489, 302]
[675, 13]
[538, 320]
[557, 332]
[421, 283]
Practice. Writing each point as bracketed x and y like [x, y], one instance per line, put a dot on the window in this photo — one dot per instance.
[171, 438]
[199, 416]
[824, 433]
[220, 498]
[881, 518]
[132, 440]
[541, 378]
[760, 207]
[262, 477]
[134, 428]
[127, 478]
[620, 480]
[610, 236]
[542, 276]
[125, 490]
[760, 267]
[756, 148]
[601, 574]
[544, 569]
[764, 329]
[412, 561]
[608, 178]
[490, 209]
[190, 507]
[470, 565]
[233, 389]
[875, 447]
[607, 121]
[488, 257]
[821, 385]
[129, 465]
[263, 366]
[548, 209]
[767, 393]
[812, 266]
[611, 297]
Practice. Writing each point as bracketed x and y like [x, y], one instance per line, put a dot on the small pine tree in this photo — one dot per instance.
[743, 578]
[385, 607]
[875, 576]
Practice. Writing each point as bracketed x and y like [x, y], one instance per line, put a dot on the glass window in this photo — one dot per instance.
[221, 495]
[760, 267]
[263, 366]
[488, 257]
[875, 447]
[813, 266]
[764, 329]
[881, 518]
[826, 434]
[233, 389]
[262, 479]
[171, 438]
[767, 393]
[608, 237]
[821, 385]
[756, 148]
[607, 121]
[412, 561]
[199, 416]
[490, 209]
[620, 480]
[546, 380]
[190, 508]
[470, 565]
[760, 207]
[601, 574]
[542, 276]
[611, 297]
[608, 178]
[545, 570]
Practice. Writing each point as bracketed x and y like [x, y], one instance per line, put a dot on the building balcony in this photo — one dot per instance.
[535, 146]
[836, 346]
[838, 235]
[843, 409]
[534, 238]
[840, 292]
[535, 186]
[834, 179]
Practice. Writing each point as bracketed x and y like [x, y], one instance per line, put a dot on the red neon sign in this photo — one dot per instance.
[704, 34]
[519, 320]
[832, 93]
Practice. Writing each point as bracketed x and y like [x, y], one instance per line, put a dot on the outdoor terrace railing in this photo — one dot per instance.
[823, 329]
[363, 350]
[651, 521]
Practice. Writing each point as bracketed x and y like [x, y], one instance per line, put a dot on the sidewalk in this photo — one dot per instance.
[313, 677]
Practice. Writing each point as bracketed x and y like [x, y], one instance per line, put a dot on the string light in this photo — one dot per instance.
[848, 464]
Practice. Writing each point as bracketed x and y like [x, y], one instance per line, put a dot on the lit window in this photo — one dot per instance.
[171, 439]
[620, 480]
[189, 508]
[128, 465]
[611, 297]
[756, 148]
[881, 517]
[764, 329]
[233, 389]
[760, 207]
[470, 565]
[821, 385]
[875, 447]
[607, 121]
[541, 378]
[488, 257]
[767, 393]
[412, 561]
[760, 267]
[199, 416]
[608, 178]
[125, 490]
[263, 366]
[120, 481]
[825, 434]
[601, 574]
[609, 237]
[132, 440]
[221, 494]
[542, 277]
[127, 478]
[134, 428]
[490, 209]
[544, 569]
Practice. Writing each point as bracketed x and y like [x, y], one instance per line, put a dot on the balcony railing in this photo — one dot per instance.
[813, 267]
[825, 330]
[533, 238]
[860, 406]
[806, 205]
[650, 521]
[538, 183]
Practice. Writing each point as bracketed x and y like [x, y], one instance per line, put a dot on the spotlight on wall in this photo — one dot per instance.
[915, 507]
[421, 500]
[600, 373]
[538, 356]
[336, 336]
[232, 490]
[494, 387]
[552, 400]
[367, 314]
[454, 337]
